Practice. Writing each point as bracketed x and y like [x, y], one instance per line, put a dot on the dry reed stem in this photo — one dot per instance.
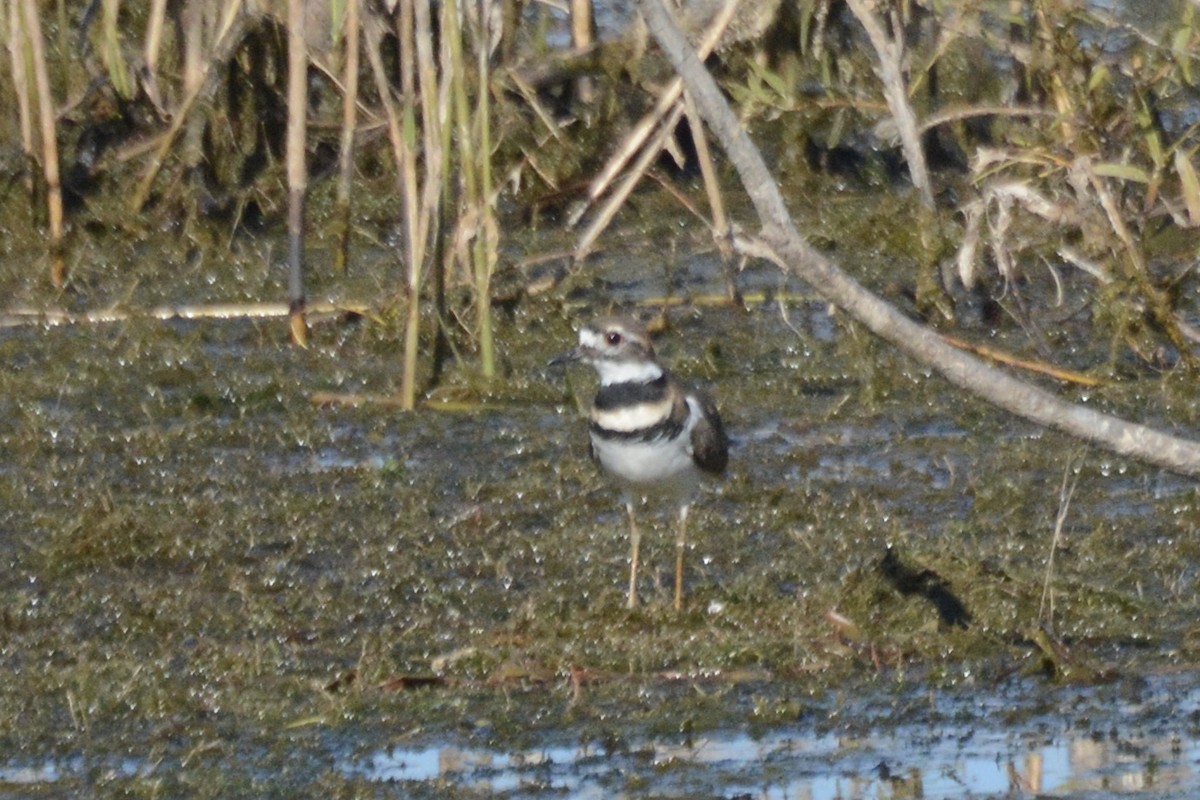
[454, 67]
[346, 144]
[297, 172]
[196, 80]
[582, 24]
[708, 173]
[19, 54]
[721, 230]
[891, 57]
[582, 37]
[152, 48]
[487, 241]
[192, 23]
[625, 188]
[435, 106]
[48, 126]
[410, 197]
[44, 317]
[647, 124]
[421, 197]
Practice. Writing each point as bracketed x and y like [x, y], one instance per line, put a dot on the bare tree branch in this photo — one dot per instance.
[780, 234]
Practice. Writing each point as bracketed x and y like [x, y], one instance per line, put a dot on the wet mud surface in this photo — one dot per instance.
[215, 586]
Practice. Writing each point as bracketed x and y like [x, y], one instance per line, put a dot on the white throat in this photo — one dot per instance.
[612, 372]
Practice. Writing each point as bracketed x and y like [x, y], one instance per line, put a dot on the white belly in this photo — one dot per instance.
[649, 466]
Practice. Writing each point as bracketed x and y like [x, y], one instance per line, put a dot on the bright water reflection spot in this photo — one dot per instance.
[29, 775]
[56, 770]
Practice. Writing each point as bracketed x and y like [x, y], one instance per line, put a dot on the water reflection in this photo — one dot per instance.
[912, 763]
[949, 763]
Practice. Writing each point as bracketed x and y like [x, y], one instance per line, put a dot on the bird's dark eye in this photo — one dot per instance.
[613, 338]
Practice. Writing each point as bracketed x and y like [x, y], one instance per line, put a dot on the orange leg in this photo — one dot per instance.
[680, 544]
[635, 539]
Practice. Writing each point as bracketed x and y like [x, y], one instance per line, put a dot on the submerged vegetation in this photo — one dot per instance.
[223, 554]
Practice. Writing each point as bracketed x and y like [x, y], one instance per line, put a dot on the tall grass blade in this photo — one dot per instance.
[114, 59]
[1190, 184]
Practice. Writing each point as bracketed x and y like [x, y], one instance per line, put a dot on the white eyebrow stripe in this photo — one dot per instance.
[590, 338]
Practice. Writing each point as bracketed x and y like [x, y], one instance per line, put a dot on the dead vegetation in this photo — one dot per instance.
[1049, 143]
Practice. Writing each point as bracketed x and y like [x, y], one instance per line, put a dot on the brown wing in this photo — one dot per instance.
[710, 445]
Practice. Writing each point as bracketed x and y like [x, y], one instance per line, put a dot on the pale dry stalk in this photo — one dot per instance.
[19, 53]
[152, 48]
[297, 171]
[890, 53]
[629, 182]
[1070, 480]
[47, 124]
[199, 75]
[346, 145]
[652, 120]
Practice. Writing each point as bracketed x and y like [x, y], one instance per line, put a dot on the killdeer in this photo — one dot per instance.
[652, 435]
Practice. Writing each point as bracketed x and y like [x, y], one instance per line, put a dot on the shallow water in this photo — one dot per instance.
[1136, 738]
[1146, 744]
[943, 761]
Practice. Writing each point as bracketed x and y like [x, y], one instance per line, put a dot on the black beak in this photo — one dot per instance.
[568, 357]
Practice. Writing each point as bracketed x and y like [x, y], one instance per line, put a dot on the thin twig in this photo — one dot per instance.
[1065, 492]
[1041, 368]
[721, 229]
[891, 55]
[346, 143]
[959, 113]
